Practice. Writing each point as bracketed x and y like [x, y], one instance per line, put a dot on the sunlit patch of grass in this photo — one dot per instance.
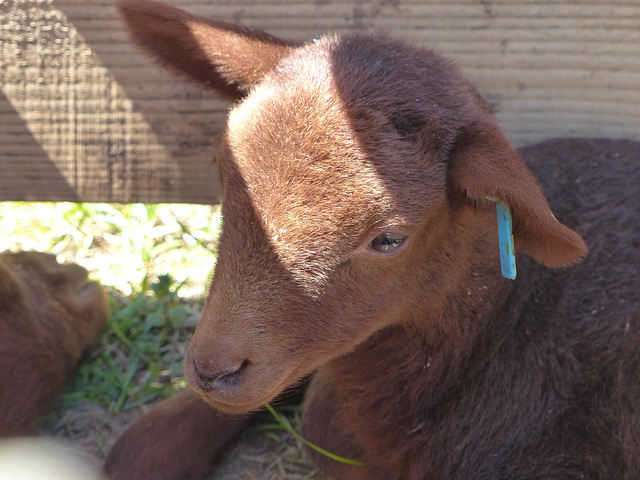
[124, 246]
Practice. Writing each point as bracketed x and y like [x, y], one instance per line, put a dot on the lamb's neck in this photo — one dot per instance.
[440, 348]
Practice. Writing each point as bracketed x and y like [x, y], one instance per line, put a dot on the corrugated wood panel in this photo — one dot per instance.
[84, 116]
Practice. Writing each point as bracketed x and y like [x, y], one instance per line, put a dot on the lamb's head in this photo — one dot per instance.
[347, 166]
[318, 227]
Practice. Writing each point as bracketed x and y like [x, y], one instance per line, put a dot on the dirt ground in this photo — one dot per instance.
[91, 430]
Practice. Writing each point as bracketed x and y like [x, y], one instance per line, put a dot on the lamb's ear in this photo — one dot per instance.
[484, 164]
[225, 57]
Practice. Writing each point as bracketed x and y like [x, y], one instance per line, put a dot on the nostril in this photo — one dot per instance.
[229, 377]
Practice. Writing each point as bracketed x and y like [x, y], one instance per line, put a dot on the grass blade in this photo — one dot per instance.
[283, 421]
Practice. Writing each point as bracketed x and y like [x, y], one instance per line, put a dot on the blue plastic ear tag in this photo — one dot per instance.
[505, 237]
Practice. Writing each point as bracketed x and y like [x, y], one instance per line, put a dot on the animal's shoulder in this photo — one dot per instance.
[593, 186]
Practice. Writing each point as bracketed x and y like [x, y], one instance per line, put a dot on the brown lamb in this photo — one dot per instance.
[51, 317]
[358, 243]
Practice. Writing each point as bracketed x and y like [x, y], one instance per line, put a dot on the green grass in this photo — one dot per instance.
[285, 423]
[126, 247]
[139, 359]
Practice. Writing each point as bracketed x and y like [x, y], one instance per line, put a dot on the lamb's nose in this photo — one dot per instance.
[222, 379]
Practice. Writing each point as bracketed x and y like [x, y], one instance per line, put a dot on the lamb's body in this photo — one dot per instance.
[359, 242]
[547, 386]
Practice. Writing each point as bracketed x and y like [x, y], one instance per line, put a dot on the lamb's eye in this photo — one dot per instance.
[388, 242]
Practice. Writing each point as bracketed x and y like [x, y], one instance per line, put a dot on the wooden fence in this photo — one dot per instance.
[86, 117]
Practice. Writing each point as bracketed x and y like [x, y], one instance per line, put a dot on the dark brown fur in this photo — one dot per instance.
[51, 317]
[429, 364]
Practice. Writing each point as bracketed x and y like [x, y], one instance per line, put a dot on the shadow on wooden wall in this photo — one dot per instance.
[26, 173]
[114, 126]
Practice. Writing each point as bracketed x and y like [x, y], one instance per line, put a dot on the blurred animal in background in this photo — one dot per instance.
[360, 241]
[51, 317]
